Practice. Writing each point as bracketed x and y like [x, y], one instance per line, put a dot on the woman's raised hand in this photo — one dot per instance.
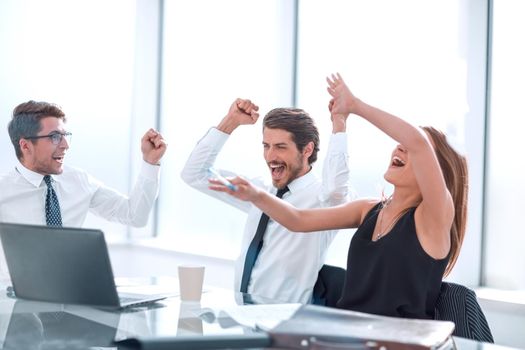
[343, 102]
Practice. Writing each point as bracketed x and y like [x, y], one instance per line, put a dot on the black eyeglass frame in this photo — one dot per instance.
[56, 137]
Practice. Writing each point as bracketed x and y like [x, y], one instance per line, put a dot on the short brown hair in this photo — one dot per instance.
[26, 120]
[299, 124]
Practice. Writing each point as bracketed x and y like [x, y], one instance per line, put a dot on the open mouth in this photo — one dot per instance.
[397, 162]
[277, 169]
[59, 159]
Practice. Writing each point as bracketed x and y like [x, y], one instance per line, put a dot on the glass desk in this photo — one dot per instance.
[36, 325]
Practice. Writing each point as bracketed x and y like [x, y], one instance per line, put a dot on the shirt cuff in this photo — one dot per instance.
[338, 143]
[149, 171]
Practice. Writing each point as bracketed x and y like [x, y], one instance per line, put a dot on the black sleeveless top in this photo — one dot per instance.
[392, 276]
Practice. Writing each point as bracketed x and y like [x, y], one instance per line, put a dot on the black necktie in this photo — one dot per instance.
[53, 217]
[255, 246]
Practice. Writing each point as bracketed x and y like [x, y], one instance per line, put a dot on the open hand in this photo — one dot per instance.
[244, 190]
[343, 102]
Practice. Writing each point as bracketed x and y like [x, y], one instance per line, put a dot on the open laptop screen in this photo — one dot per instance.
[62, 265]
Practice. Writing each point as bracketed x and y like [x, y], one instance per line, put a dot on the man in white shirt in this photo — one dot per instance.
[287, 263]
[37, 131]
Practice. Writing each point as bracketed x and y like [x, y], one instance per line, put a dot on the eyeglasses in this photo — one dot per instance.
[56, 137]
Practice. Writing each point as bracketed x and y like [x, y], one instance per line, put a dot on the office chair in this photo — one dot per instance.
[329, 285]
[459, 304]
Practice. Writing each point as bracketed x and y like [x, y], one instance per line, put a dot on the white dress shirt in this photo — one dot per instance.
[23, 196]
[287, 266]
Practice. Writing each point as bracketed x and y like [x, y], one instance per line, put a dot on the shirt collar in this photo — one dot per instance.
[301, 182]
[33, 178]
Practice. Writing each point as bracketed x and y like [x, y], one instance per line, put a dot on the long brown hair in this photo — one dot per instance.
[455, 171]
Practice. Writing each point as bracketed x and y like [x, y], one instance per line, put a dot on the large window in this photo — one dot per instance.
[505, 236]
[209, 60]
[423, 61]
[80, 55]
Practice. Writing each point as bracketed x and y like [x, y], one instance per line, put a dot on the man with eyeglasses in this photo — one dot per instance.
[41, 190]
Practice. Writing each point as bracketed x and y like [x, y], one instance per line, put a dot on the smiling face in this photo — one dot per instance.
[41, 155]
[285, 161]
[399, 172]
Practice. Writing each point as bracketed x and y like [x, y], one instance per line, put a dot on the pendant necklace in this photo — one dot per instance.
[382, 231]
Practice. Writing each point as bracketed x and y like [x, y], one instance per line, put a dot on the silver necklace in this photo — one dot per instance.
[382, 231]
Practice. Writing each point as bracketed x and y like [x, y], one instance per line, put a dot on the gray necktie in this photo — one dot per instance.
[53, 217]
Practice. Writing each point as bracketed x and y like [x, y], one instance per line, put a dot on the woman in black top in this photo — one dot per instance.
[405, 244]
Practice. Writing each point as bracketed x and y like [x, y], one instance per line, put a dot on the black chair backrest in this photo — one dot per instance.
[329, 286]
[459, 304]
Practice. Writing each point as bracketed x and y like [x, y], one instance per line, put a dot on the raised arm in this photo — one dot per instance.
[336, 187]
[133, 209]
[436, 210]
[203, 156]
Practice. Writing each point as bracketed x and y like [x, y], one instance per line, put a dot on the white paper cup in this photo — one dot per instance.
[191, 279]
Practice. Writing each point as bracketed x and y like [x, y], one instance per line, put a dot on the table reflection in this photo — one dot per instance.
[49, 326]
[190, 321]
[38, 325]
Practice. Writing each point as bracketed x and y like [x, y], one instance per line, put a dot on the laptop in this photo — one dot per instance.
[64, 265]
